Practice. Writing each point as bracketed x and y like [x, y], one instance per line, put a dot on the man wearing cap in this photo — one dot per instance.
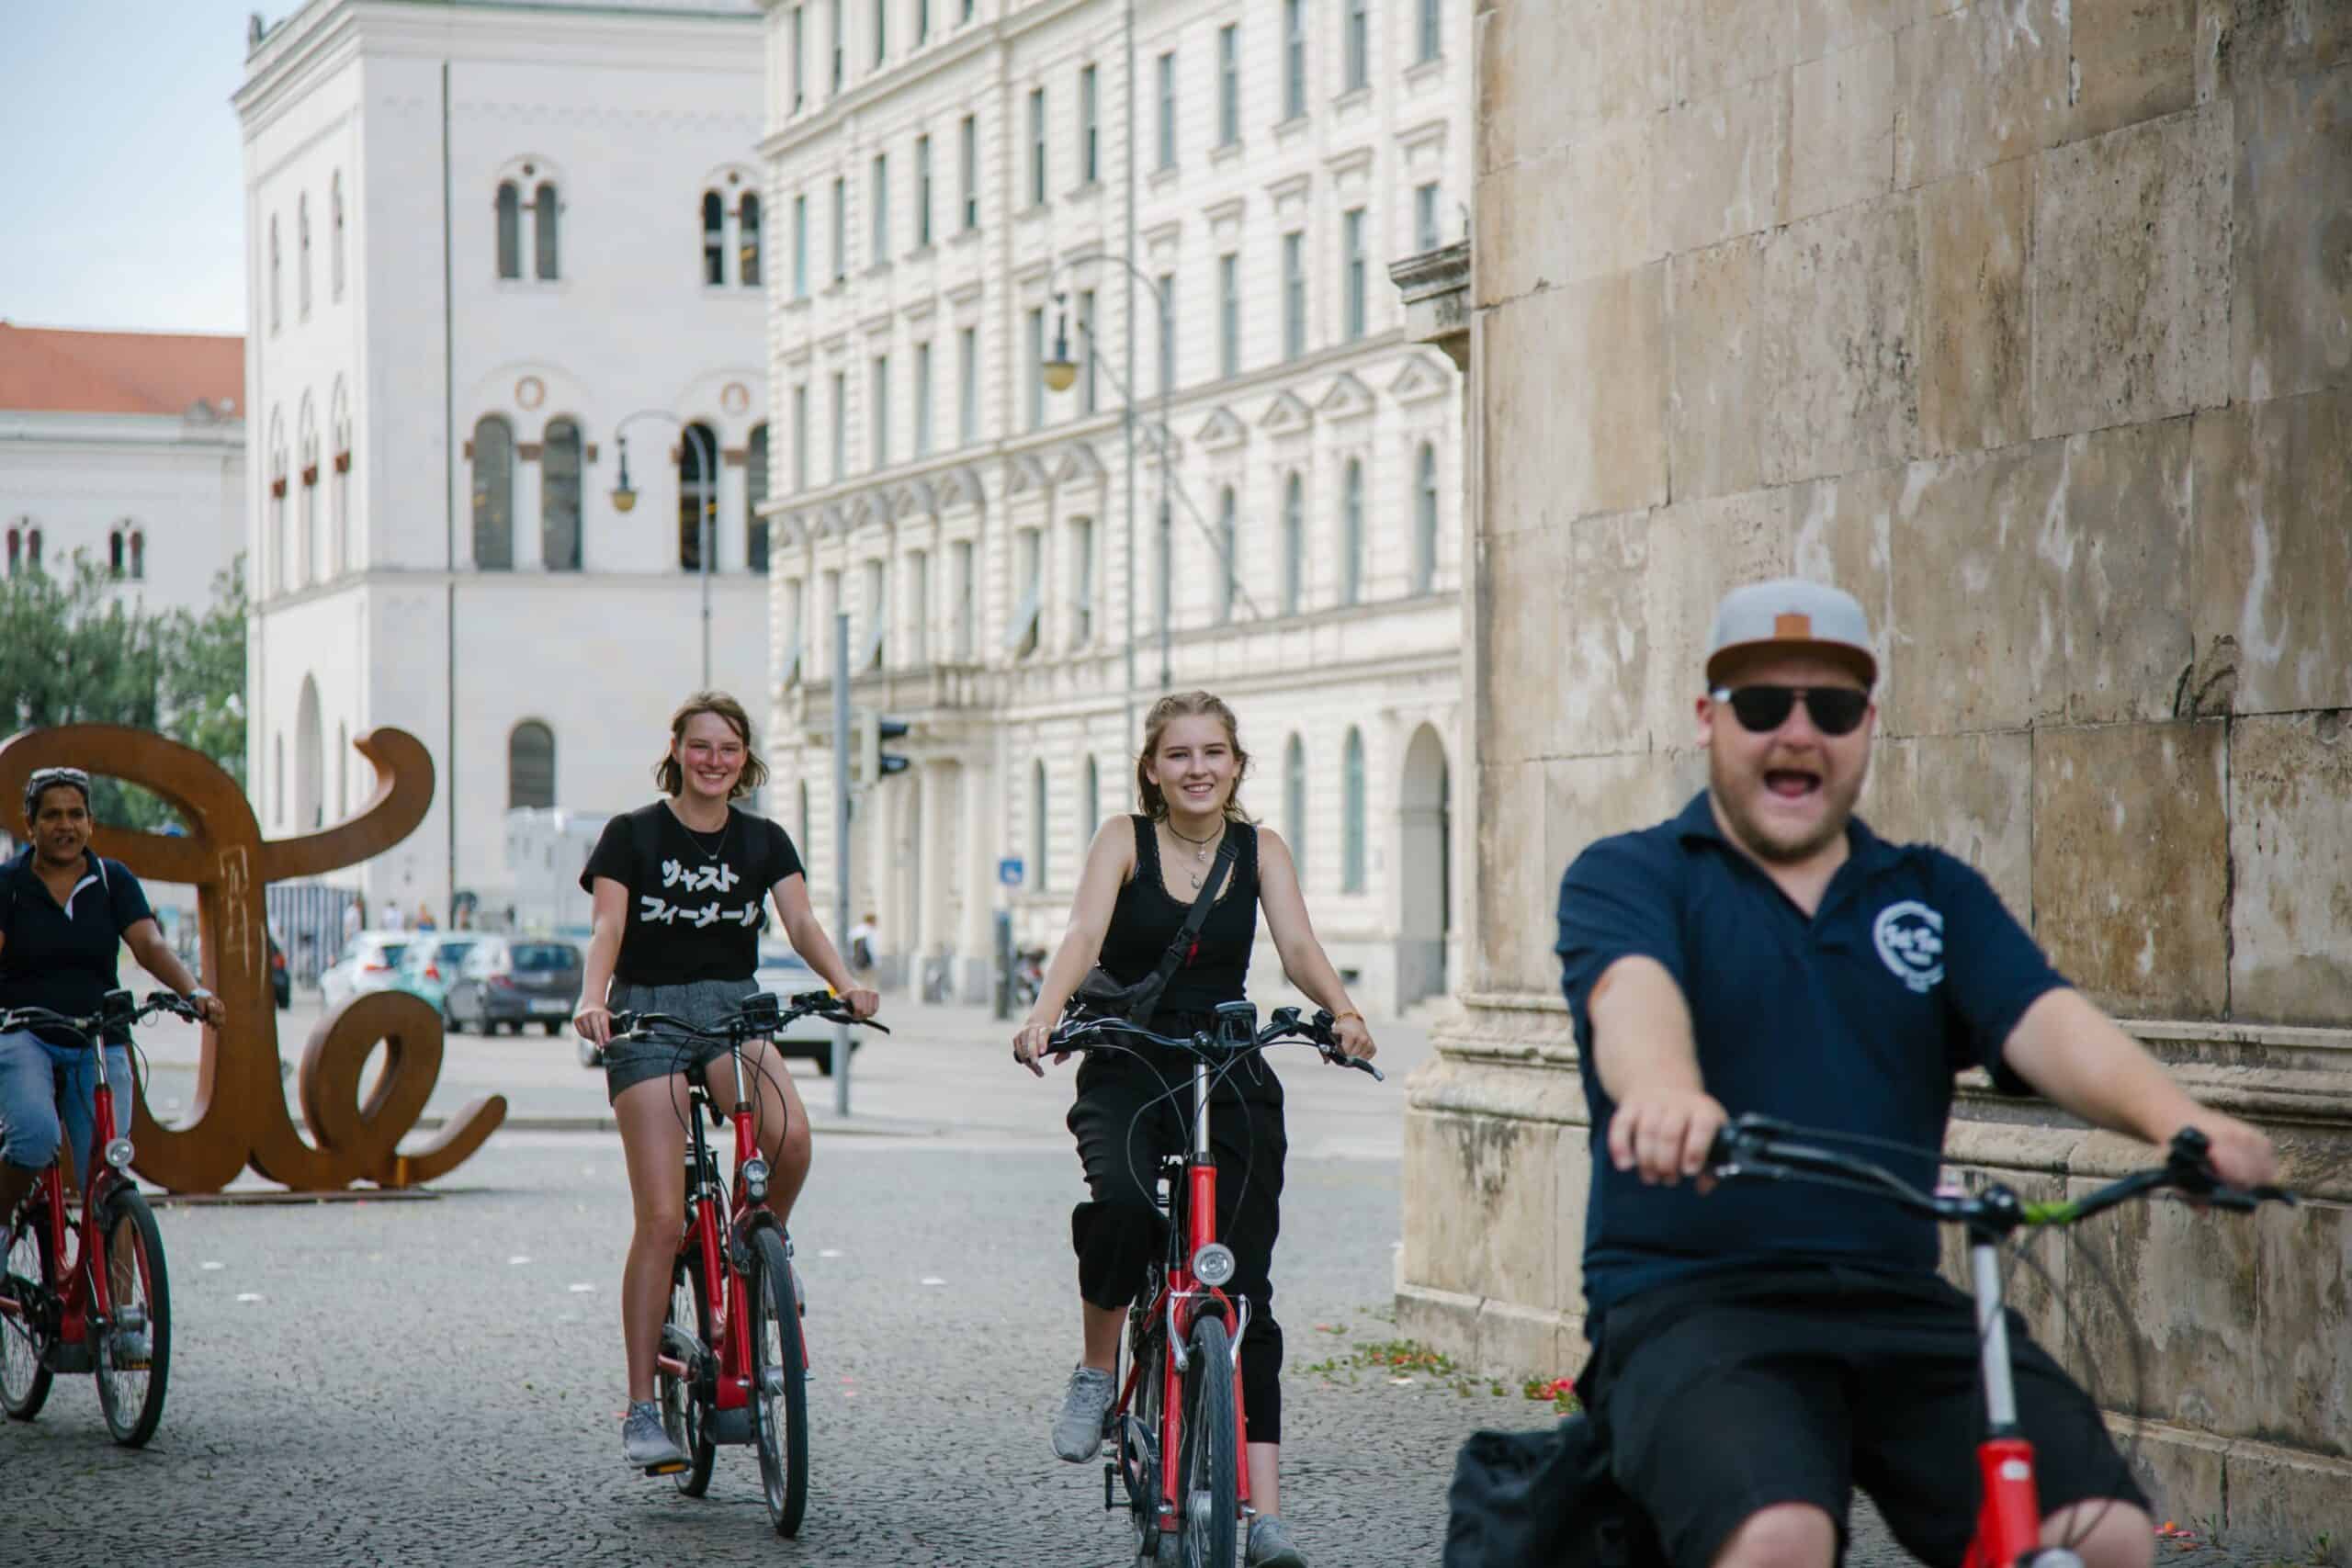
[1760, 1349]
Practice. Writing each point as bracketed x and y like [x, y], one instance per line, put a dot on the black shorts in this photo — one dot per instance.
[628, 1062]
[1725, 1395]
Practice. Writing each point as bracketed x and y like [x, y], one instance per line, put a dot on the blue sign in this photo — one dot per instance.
[1008, 871]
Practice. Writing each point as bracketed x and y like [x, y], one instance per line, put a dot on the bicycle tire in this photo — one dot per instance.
[25, 1340]
[779, 1419]
[1208, 1488]
[133, 1399]
[685, 1415]
[1136, 1439]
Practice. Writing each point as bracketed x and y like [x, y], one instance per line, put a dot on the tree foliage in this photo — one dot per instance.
[72, 651]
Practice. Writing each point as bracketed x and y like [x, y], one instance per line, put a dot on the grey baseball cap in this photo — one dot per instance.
[1790, 614]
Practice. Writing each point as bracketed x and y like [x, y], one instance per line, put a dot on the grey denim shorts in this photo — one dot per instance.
[631, 1062]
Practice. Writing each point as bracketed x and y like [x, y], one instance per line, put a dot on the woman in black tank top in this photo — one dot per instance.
[1142, 873]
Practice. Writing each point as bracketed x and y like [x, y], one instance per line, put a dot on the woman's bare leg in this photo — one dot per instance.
[653, 1140]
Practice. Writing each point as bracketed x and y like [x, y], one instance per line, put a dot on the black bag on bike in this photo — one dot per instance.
[1544, 1500]
[1102, 995]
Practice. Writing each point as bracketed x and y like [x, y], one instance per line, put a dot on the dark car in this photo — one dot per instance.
[508, 982]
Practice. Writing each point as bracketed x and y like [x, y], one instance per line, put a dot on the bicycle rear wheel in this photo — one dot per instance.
[1206, 1485]
[779, 1382]
[685, 1412]
[130, 1386]
[1137, 1439]
[27, 1331]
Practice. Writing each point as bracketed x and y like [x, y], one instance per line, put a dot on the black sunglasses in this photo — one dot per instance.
[1834, 710]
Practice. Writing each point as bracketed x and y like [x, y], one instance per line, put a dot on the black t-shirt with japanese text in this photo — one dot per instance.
[697, 901]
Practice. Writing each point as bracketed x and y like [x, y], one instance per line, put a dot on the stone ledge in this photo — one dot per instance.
[1493, 1337]
[2261, 1493]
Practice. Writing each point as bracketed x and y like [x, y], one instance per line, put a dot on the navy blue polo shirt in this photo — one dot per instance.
[1854, 1019]
[62, 958]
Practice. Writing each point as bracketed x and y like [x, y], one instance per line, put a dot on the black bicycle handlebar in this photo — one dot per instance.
[1284, 1028]
[758, 1016]
[117, 1010]
[1760, 1147]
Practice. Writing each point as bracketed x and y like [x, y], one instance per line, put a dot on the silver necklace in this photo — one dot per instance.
[695, 838]
[1201, 848]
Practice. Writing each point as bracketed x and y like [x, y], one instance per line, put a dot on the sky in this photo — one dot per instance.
[122, 164]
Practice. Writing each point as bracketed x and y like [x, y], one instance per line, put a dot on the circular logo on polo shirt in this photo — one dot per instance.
[1910, 939]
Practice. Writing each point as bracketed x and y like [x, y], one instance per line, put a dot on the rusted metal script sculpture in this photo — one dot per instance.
[240, 1113]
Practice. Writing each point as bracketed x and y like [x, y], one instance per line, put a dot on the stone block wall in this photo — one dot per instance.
[2029, 322]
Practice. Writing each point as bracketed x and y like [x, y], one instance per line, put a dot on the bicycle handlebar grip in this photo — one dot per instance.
[622, 1022]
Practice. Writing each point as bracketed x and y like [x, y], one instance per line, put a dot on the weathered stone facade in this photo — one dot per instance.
[2029, 322]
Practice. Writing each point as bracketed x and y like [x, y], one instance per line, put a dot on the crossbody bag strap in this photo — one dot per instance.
[1197, 916]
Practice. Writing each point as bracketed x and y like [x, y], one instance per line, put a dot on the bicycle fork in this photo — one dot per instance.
[2009, 1519]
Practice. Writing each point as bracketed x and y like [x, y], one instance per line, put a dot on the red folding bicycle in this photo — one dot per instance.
[2008, 1518]
[733, 1364]
[1176, 1428]
[89, 1293]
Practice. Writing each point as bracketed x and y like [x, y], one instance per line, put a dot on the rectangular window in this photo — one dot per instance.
[800, 436]
[1229, 314]
[919, 600]
[1293, 59]
[1358, 43]
[877, 615]
[1029, 572]
[840, 425]
[1087, 352]
[967, 386]
[923, 399]
[1425, 220]
[922, 22]
[1166, 332]
[922, 191]
[1432, 28]
[968, 162]
[1228, 85]
[801, 247]
[967, 591]
[1167, 110]
[1032, 379]
[1352, 251]
[839, 40]
[1036, 146]
[831, 607]
[796, 633]
[841, 229]
[1294, 295]
[1089, 136]
[799, 76]
[881, 421]
[881, 210]
[881, 30]
[1082, 576]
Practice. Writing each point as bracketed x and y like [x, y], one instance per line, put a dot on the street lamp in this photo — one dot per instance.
[625, 501]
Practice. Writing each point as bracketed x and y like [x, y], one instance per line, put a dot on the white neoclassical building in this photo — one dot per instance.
[482, 240]
[128, 448]
[958, 185]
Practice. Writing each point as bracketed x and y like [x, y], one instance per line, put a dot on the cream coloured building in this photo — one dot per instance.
[954, 195]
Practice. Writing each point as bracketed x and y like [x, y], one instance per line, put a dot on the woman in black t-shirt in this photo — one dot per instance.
[680, 889]
[1142, 873]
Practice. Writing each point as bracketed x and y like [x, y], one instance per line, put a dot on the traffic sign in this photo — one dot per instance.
[1008, 871]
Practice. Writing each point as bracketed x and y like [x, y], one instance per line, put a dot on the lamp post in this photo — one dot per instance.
[625, 500]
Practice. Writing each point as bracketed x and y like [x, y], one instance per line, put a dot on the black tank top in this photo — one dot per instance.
[1148, 917]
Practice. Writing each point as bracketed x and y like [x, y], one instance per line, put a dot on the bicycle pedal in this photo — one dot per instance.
[669, 1467]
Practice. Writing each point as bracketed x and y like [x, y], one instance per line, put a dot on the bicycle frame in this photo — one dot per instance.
[2009, 1518]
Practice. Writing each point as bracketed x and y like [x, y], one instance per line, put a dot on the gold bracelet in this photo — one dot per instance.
[1350, 1013]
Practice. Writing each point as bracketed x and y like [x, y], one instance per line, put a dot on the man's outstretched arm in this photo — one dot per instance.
[1647, 1060]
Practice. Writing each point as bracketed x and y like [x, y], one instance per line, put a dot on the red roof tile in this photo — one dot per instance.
[51, 370]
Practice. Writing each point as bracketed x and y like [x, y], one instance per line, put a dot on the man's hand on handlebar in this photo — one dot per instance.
[1665, 1134]
[2239, 1152]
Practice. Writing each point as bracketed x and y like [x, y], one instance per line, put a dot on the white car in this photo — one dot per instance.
[370, 962]
[786, 973]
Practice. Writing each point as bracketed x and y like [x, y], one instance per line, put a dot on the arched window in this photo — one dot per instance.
[116, 546]
[560, 496]
[335, 234]
[543, 226]
[138, 555]
[1091, 816]
[303, 254]
[310, 569]
[1352, 808]
[1295, 802]
[1038, 880]
[802, 843]
[342, 772]
[1227, 544]
[341, 441]
[510, 230]
[747, 240]
[276, 295]
[697, 494]
[310, 759]
[755, 493]
[277, 503]
[530, 765]
[15, 549]
[33, 552]
[714, 238]
[1425, 524]
[1294, 544]
[277, 778]
[1352, 533]
[494, 446]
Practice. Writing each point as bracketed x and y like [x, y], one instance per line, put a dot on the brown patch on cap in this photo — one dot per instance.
[1797, 627]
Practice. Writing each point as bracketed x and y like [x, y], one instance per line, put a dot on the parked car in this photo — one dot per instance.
[430, 965]
[369, 964]
[281, 982]
[507, 982]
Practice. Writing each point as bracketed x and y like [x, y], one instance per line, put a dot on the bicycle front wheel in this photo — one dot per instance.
[1208, 1490]
[779, 1382]
[685, 1415]
[26, 1331]
[134, 1355]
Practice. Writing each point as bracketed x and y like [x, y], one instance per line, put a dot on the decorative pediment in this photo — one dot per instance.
[1421, 380]
[790, 529]
[1024, 474]
[832, 522]
[862, 512]
[959, 487]
[1077, 464]
[1348, 397]
[1286, 415]
[1222, 430]
[913, 498]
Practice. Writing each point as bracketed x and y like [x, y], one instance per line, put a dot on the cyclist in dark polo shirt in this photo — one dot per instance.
[1759, 1350]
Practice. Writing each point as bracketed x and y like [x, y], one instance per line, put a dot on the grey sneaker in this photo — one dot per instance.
[1269, 1545]
[1078, 1431]
[130, 1350]
[649, 1447]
